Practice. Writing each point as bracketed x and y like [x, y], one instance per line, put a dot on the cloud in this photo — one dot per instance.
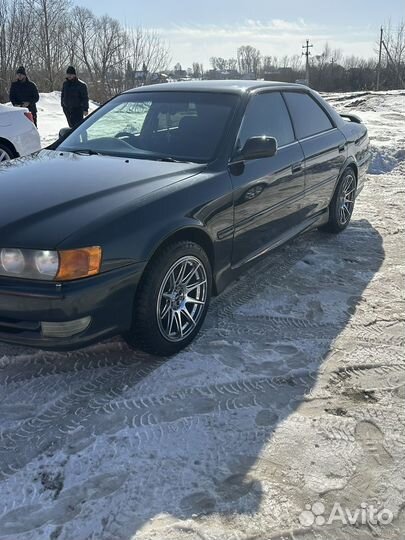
[254, 29]
[277, 37]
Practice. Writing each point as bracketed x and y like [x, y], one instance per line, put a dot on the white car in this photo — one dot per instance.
[18, 134]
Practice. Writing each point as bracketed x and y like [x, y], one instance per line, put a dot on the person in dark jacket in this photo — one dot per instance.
[75, 98]
[24, 93]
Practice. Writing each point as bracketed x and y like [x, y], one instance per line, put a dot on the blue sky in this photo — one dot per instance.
[196, 31]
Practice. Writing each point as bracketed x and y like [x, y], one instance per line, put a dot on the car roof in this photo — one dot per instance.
[223, 86]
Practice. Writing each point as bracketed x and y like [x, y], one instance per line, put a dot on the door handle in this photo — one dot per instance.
[342, 148]
[297, 167]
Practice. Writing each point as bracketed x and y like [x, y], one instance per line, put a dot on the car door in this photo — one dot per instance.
[268, 192]
[324, 148]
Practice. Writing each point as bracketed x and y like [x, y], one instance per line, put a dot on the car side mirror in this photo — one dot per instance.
[64, 132]
[258, 147]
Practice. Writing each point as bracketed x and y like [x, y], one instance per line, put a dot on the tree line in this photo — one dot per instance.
[48, 35]
[329, 70]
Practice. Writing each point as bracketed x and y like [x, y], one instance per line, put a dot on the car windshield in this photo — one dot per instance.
[168, 126]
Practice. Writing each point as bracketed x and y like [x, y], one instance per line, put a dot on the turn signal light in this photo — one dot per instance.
[29, 116]
[79, 263]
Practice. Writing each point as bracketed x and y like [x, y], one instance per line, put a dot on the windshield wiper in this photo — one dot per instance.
[170, 159]
[86, 151]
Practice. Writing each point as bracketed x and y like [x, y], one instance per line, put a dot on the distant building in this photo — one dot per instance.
[139, 78]
[224, 74]
[286, 74]
[178, 74]
[248, 76]
[302, 81]
[157, 78]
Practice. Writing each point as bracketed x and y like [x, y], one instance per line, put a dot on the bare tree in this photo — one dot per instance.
[84, 31]
[107, 54]
[249, 60]
[51, 18]
[15, 31]
[47, 35]
[394, 52]
[232, 64]
[218, 63]
[155, 53]
[198, 70]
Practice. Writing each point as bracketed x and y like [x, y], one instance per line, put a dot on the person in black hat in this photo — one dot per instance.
[24, 93]
[75, 98]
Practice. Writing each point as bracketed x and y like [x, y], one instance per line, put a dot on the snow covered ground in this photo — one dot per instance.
[384, 114]
[293, 395]
[51, 118]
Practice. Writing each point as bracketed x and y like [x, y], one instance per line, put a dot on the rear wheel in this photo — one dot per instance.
[342, 204]
[6, 153]
[172, 300]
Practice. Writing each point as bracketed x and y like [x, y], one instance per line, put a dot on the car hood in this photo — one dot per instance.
[46, 197]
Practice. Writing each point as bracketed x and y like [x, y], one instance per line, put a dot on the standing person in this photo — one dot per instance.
[75, 98]
[24, 93]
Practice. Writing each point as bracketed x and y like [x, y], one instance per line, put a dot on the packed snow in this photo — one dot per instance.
[293, 395]
[384, 114]
[51, 117]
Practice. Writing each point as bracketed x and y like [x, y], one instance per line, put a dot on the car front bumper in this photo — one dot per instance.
[107, 299]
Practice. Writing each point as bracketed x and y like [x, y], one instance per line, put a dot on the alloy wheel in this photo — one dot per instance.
[346, 199]
[182, 298]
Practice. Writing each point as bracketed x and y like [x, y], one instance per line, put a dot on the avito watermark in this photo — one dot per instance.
[315, 514]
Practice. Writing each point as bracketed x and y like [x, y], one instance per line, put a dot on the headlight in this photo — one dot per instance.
[50, 265]
[12, 260]
[47, 262]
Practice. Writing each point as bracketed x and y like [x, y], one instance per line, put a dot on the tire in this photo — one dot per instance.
[342, 204]
[167, 316]
[6, 152]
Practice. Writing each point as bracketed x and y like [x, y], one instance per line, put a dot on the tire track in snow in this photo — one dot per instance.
[66, 420]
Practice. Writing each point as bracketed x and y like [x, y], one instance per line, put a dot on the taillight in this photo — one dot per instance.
[29, 116]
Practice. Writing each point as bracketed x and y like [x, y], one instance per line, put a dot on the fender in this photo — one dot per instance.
[219, 252]
[349, 162]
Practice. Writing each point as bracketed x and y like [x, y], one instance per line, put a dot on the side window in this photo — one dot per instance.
[266, 114]
[308, 117]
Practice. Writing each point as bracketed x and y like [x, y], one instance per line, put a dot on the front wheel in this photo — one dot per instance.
[172, 300]
[342, 204]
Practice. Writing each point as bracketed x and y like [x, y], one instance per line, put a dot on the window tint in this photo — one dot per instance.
[185, 126]
[308, 117]
[266, 114]
[171, 119]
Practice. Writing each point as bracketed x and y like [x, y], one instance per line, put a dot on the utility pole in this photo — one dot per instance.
[379, 60]
[307, 53]
[394, 65]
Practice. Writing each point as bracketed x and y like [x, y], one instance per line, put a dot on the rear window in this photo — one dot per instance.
[308, 117]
